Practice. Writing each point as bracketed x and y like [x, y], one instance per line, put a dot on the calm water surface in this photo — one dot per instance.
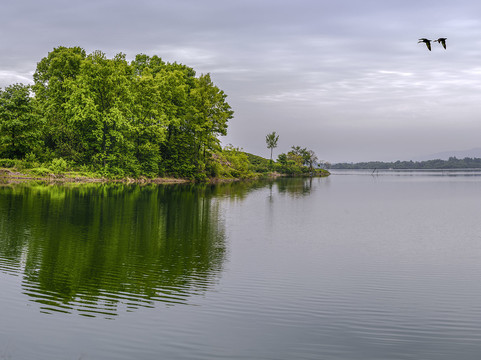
[354, 266]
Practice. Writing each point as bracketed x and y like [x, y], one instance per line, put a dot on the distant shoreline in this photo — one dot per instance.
[436, 164]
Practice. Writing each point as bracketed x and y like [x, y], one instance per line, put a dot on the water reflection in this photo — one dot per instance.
[295, 186]
[98, 250]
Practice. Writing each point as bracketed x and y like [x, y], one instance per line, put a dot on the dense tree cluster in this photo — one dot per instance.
[451, 163]
[144, 117]
[298, 160]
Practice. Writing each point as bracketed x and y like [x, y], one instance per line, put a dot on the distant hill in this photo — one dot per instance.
[460, 154]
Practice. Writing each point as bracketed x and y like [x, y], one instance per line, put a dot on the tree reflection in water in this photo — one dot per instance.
[98, 250]
[299, 186]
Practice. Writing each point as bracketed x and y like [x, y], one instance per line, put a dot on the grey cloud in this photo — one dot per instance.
[345, 78]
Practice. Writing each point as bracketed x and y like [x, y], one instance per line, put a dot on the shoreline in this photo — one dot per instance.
[13, 176]
[9, 176]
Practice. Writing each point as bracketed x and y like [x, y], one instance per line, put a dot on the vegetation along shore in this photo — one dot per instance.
[92, 118]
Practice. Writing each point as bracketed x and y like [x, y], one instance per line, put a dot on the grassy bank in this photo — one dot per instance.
[231, 165]
[11, 175]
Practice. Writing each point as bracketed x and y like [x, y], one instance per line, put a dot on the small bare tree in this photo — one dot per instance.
[311, 159]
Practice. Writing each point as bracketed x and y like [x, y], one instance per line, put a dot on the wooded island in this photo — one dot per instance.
[112, 118]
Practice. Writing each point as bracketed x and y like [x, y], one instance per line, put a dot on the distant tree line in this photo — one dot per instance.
[144, 117]
[451, 163]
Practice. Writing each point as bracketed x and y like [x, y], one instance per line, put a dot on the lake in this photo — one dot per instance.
[353, 266]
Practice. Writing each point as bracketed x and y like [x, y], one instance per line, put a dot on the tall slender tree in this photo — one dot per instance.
[271, 141]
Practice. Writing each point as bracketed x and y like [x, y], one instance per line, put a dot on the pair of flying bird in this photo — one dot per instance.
[442, 41]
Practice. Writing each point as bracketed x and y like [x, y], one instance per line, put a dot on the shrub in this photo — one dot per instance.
[31, 160]
[214, 169]
[41, 171]
[200, 177]
[7, 163]
[112, 172]
[259, 164]
[58, 165]
[238, 163]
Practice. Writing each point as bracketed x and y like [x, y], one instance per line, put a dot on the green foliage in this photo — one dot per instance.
[143, 118]
[258, 164]
[52, 78]
[119, 119]
[58, 165]
[31, 158]
[298, 161]
[238, 162]
[7, 163]
[231, 162]
[99, 110]
[290, 164]
[41, 171]
[193, 131]
[19, 125]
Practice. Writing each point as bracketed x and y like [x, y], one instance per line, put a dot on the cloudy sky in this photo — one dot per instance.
[345, 78]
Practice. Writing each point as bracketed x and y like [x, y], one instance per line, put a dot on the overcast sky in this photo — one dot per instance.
[345, 78]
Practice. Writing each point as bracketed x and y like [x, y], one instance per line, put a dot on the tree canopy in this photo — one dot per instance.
[19, 125]
[297, 161]
[118, 118]
[144, 117]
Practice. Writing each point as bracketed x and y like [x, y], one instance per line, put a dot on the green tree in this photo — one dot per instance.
[19, 125]
[100, 109]
[307, 157]
[282, 159]
[149, 121]
[271, 141]
[145, 117]
[298, 155]
[51, 81]
[209, 115]
[192, 136]
[177, 151]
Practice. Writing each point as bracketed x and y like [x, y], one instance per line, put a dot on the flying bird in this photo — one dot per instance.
[426, 41]
[442, 41]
